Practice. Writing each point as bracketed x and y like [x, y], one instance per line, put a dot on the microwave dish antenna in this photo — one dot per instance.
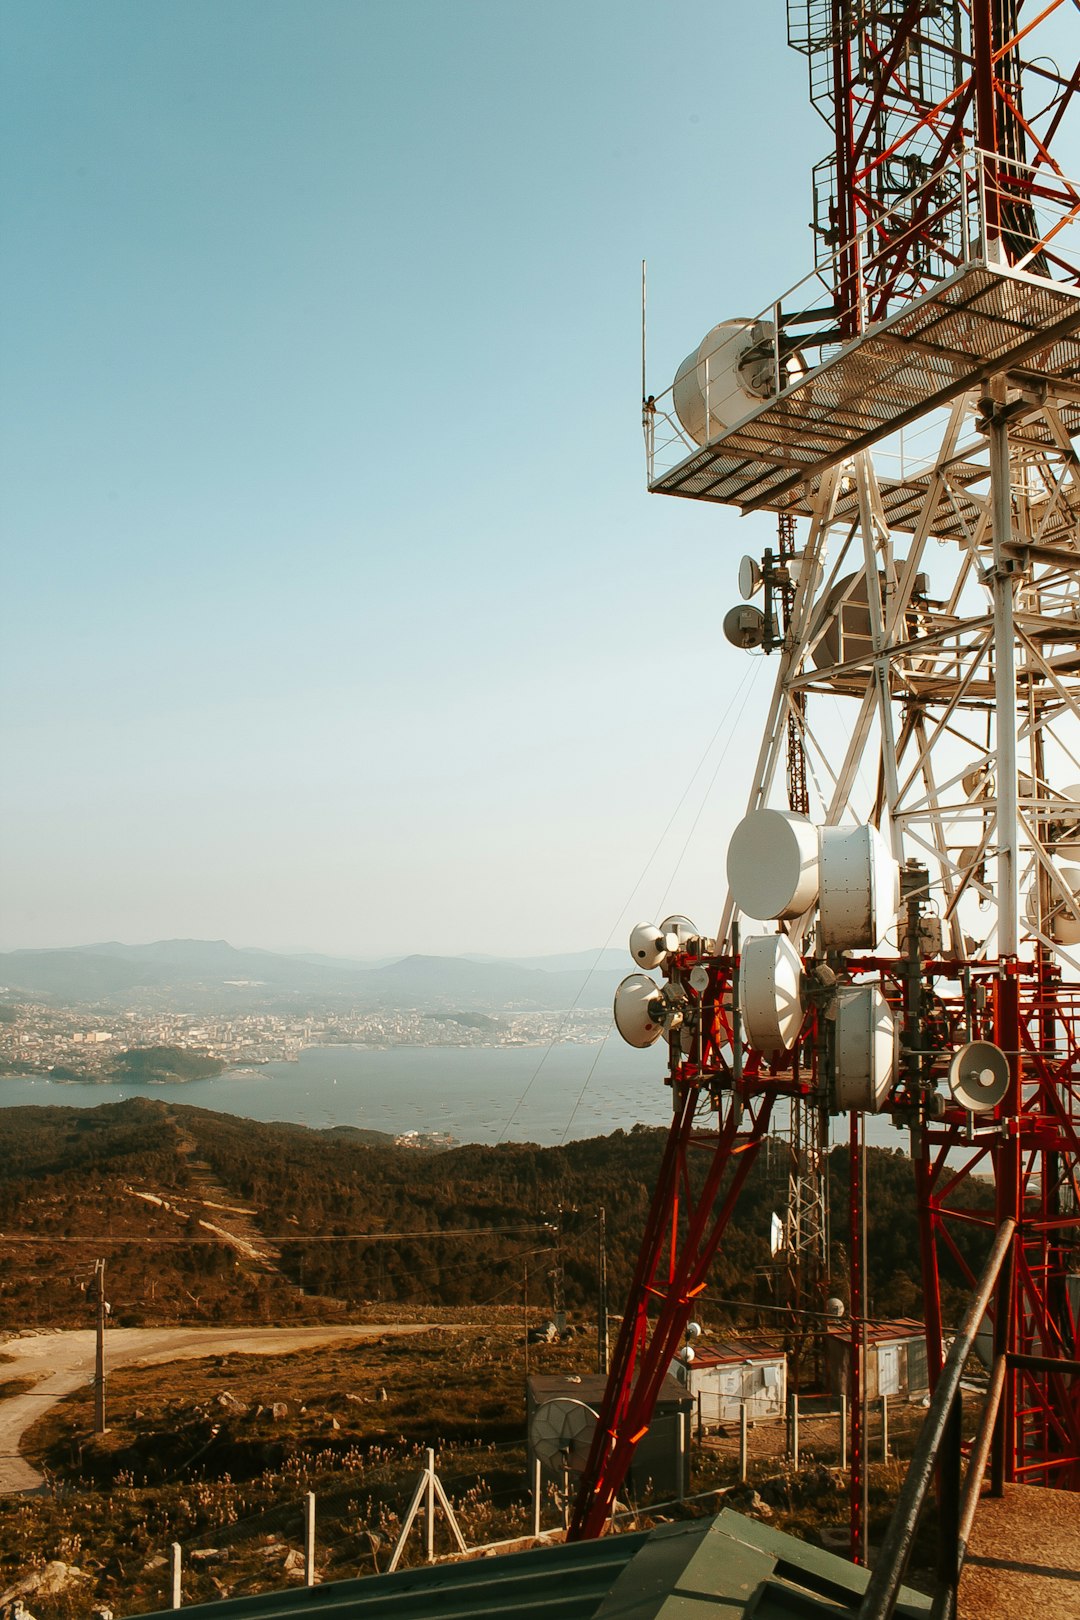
[681, 929]
[745, 626]
[641, 1012]
[750, 578]
[979, 1076]
[561, 1433]
[648, 945]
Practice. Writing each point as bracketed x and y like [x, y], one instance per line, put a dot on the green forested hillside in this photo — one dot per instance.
[339, 1224]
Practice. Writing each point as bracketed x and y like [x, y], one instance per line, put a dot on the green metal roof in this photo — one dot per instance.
[704, 1569]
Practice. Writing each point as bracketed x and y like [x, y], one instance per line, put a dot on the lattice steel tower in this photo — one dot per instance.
[905, 883]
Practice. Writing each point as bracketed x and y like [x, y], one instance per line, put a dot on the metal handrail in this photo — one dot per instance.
[939, 1438]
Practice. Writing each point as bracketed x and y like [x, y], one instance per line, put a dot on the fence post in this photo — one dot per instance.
[843, 1434]
[536, 1488]
[428, 1488]
[175, 1556]
[742, 1443]
[795, 1429]
[429, 1508]
[309, 1539]
[884, 1428]
[682, 1456]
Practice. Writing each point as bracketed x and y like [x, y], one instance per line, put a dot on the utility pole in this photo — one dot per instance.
[601, 1309]
[558, 1278]
[99, 1367]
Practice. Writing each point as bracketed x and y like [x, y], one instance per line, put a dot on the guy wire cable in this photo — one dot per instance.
[748, 682]
[747, 676]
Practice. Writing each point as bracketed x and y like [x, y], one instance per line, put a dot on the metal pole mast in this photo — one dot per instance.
[99, 1361]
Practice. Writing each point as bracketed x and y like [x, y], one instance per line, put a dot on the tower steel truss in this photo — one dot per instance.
[936, 604]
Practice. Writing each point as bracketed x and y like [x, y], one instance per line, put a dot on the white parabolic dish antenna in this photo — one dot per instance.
[769, 992]
[727, 376]
[772, 864]
[637, 1000]
[979, 1076]
[561, 1434]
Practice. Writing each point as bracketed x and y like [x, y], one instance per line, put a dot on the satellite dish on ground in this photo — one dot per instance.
[744, 626]
[979, 1076]
[641, 1013]
[561, 1434]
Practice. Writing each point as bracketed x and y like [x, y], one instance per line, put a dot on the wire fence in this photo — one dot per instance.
[343, 1530]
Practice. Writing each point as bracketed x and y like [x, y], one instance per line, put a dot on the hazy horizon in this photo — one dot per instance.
[316, 950]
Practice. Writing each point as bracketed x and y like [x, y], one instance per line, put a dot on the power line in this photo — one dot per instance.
[284, 1237]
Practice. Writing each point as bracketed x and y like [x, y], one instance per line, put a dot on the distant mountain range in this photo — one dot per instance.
[203, 973]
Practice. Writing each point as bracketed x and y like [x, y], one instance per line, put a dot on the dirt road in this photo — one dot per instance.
[62, 1362]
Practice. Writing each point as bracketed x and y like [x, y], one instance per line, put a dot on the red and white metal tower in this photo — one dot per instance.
[915, 401]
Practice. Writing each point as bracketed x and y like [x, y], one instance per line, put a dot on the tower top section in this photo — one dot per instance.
[948, 252]
[905, 90]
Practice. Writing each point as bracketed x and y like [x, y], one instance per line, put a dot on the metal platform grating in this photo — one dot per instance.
[981, 321]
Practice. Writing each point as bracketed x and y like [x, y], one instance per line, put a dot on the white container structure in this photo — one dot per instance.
[725, 1376]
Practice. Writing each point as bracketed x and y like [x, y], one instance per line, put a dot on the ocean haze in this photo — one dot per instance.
[201, 973]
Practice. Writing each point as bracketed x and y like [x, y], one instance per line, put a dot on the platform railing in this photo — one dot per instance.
[979, 208]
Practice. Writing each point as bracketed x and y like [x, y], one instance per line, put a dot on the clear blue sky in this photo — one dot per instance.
[336, 613]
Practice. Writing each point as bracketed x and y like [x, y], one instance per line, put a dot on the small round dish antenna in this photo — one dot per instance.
[561, 1434]
[648, 946]
[699, 979]
[678, 930]
[744, 626]
[979, 1076]
[641, 1013]
[749, 578]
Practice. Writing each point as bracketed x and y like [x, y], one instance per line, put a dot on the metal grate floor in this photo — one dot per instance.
[981, 321]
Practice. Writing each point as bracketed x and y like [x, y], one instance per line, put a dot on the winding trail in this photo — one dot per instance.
[62, 1362]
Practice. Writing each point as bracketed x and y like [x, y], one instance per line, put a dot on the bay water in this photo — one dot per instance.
[486, 1094]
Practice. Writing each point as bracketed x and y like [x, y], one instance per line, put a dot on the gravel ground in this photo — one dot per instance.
[1023, 1561]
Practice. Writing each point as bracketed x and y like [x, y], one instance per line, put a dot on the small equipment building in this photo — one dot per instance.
[895, 1359]
[661, 1464]
[732, 1373]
